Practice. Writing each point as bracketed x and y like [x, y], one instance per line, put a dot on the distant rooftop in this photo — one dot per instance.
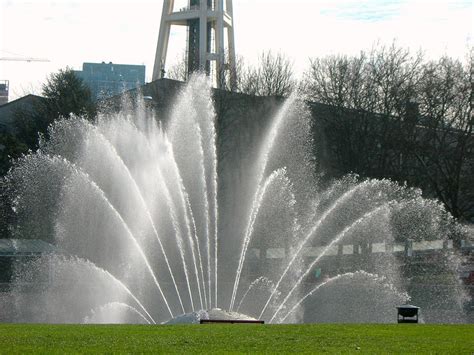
[109, 79]
[7, 111]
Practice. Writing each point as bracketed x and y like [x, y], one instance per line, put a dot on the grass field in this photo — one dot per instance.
[310, 338]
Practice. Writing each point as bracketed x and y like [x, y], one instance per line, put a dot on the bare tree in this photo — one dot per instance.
[273, 76]
[368, 101]
[178, 70]
[445, 151]
[388, 113]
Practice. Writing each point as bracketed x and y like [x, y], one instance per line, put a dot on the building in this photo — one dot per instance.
[109, 79]
[8, 111]
[14, 250]
[4, 84]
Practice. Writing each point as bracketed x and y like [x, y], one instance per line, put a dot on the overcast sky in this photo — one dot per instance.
[70, 32]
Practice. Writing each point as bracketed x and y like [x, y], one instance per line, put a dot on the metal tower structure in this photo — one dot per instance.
[209, 25]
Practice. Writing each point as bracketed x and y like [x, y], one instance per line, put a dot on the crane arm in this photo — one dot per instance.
[27, 59]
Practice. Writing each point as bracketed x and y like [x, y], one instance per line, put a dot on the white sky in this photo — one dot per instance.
[70, 32]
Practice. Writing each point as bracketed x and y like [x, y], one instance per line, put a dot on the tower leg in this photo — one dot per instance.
[203, 35]
[219, 46]
[232, 60]
[163, 39]
[231, 47]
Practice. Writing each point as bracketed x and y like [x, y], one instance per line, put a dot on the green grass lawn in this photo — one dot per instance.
[238, 338]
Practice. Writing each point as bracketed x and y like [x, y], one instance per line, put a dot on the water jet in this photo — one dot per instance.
[141, 208]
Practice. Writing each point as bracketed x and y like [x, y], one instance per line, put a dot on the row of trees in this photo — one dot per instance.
[393, 114]
[386, 113]
[272, 76]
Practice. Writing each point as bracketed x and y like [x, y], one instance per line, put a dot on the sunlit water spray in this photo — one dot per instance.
[136, 196]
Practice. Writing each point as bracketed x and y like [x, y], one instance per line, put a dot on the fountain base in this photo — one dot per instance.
[214, 314]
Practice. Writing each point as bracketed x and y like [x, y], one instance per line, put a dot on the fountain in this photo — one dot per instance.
[150, 232]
